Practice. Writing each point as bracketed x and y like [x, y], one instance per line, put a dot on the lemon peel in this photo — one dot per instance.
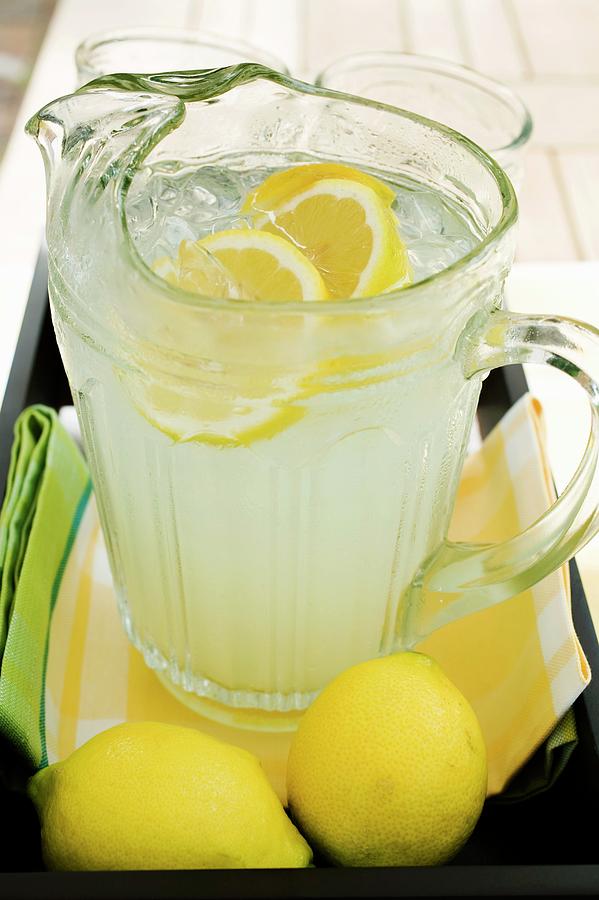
[280, 187]
[388, 766]
[148, 795]
[341, 219]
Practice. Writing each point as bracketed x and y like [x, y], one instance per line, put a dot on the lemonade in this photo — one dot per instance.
[170, 202]
[261, 537]
[275, 479]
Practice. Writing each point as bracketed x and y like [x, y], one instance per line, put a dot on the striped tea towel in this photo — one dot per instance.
[69, 672]
[47, 490]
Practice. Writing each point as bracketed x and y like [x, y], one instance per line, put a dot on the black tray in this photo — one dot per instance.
[538, 847]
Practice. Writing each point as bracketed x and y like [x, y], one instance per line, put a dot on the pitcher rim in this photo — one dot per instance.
[180, 84]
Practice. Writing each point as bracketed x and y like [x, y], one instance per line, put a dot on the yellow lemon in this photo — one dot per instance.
[155, 796]
[282, 186]
[388, 766]
[254, 265]
[321, 231]
[219, 418]
[251, 264]
[345, 226]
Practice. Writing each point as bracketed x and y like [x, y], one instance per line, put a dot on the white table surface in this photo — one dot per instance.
[566, 288]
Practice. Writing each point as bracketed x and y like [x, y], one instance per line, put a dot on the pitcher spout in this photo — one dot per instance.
[47, 135]
[112, 123]
[90, 141]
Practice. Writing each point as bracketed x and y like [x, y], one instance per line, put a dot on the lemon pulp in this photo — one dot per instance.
[345, 226]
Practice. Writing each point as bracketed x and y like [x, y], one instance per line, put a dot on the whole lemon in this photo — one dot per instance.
[155, 796]
[388, 766]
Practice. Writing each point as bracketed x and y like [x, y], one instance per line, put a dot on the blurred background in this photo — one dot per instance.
[547, 50]
[23, 24]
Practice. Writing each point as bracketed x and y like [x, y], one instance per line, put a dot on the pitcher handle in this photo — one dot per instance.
[462, 578]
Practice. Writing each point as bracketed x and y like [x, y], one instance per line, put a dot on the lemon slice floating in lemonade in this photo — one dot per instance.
[266, 266]
[242, 262]
[215, 417]
[344, 225]
[279, 188]
[321, 232]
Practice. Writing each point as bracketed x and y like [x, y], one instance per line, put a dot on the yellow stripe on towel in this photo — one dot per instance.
[69, 706]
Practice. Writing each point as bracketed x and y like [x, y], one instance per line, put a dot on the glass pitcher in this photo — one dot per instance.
[275, 480]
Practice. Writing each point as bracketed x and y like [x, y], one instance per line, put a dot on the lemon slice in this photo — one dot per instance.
[254, 265]
[214, 418]
[243, 262]
[194, 269]
[277, 189]
[344, 226]
[316, 237]
[265, 266]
